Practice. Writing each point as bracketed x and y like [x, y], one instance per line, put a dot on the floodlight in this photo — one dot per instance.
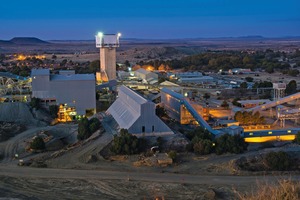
[119, 34]
[100, 34]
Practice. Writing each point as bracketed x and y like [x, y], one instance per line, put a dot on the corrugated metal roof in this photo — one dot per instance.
[133, 95]
[72, 77]
[143, 71]
[41, 72]
[123, 114]
[168, 83]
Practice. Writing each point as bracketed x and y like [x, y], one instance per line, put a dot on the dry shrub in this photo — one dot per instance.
[282, 190]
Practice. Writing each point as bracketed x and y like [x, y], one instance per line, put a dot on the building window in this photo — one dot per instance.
[152, 128]
[143, 129]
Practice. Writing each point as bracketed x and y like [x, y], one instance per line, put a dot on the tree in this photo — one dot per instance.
[94, 66]
[244, 85]
[248, 118]
[230, 143]
[126, 143]
[87, 127]
[206, 96]
[291, 87]
[35, 103]
[225, 104]
[203, 147]
[94, 124]
[297, 139]
[173, 155]
[37, 144]
[249, 79]
[127, 63]
[83, 129]
[53, 110]
[236, 103]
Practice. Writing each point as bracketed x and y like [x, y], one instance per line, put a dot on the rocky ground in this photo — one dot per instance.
[32, 189]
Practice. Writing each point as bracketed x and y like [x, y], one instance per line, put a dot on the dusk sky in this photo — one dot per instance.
[82, 19]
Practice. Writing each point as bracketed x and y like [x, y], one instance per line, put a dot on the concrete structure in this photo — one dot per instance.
[279, 89]
[136, 114]
[147, 76]
[75, 90]
[107, 44]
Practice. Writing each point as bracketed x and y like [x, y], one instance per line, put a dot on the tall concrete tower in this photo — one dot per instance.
[107, 44]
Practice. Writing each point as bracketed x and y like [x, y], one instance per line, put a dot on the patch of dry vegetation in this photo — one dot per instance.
[282, 190]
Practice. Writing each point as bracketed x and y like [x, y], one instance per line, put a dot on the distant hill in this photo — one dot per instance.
[4, 42]
[27, 40]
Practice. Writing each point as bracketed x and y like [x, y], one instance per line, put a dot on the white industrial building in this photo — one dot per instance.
[137, 114]
[75, 90]
[147, 76]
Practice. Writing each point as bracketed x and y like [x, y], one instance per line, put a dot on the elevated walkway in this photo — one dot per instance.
[276, 103]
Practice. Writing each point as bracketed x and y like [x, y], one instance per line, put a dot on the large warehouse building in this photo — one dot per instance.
[74, 90]
[147, 76]
[137, 114]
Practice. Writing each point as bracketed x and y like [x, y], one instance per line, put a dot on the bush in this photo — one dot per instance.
[35, 103]
[127, 143]
[249, 79]
[203, 147]
[172, 155]
[230, 143]
[248, 118]
[284, 189]
[297, 139]
[200, 133]
[83, 129]
[278, 161]
[37, 144]
[94, 124]
[87, 127]
[225, 104]
[53, 110]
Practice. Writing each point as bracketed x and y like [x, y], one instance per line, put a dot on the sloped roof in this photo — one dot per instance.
[133, 95]
[169, 83]
[123, 114]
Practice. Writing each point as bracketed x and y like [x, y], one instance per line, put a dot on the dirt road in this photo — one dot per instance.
[15, 171]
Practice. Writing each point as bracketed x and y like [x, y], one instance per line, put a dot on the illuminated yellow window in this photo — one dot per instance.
[270, 132]
[250, 133]
[289, 131]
